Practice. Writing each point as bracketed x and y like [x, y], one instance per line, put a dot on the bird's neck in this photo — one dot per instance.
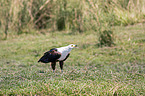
[64, 49]
[68, 49]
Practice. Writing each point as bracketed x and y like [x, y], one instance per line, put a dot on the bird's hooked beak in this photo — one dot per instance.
[76, 46]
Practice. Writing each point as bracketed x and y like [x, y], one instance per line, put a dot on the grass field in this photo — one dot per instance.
[90, 70]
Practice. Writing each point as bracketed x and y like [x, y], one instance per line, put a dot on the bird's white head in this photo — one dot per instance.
[72, 46]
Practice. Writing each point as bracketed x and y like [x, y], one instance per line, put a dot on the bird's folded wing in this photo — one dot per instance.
[50, 56]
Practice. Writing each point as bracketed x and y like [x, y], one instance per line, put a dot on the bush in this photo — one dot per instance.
[106, 38]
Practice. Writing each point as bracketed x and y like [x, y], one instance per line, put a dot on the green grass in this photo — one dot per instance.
[90, 70]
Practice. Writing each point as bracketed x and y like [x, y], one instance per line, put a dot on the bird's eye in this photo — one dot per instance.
[71, 45]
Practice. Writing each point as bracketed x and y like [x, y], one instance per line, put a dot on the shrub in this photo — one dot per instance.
[106, 38]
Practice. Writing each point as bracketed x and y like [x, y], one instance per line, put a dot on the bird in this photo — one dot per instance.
[57, 55]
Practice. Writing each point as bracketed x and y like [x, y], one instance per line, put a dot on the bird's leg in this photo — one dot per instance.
[61, 65]
[53, 66]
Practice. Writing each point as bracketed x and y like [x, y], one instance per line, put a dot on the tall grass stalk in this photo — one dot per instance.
[76, 15]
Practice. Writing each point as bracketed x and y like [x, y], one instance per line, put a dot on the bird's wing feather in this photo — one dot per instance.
[50, 56]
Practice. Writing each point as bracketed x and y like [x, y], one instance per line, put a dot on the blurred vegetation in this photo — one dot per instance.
[25, 16]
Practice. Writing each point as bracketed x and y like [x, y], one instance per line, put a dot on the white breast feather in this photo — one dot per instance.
[64, 52]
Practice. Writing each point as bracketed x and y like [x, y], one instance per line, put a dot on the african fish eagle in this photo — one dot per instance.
[57, 55]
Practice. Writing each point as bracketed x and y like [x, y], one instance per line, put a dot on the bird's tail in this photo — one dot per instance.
[38, 61]
[43, 59]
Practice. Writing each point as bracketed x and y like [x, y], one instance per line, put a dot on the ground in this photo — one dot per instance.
[90, 70]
